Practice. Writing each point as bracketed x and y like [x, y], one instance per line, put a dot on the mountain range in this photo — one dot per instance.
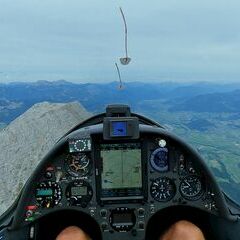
[15, 98]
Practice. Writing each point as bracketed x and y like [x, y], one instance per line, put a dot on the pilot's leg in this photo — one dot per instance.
[183, 230]
[72, 233]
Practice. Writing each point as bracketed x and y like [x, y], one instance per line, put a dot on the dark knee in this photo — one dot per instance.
[72, 233]
[183, 230]
[186, 228]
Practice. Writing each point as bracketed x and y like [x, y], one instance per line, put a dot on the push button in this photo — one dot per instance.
[48, 175]
[103, 213]
[141, 212]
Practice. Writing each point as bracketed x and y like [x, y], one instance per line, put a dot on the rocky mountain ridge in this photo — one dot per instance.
[26, 140]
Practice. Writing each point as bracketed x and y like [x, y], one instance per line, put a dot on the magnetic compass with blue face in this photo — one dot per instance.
[159, 159]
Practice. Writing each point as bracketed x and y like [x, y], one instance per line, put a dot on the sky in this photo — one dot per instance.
[80, 40]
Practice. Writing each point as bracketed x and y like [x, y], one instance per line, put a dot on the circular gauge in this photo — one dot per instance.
[79, 193]
[191, 187]
[163, 189]
[159, 159]
[81, 144]
[77, 164]
[48, 194]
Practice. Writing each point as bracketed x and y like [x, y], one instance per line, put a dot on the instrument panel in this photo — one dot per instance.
[120, 184]
[116, 175]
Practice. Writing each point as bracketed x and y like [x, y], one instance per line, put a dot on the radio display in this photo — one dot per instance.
[44, 192]
[121, 174]
[122, 218]
[79, 190]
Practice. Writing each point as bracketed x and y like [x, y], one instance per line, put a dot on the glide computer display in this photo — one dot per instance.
[121, 171]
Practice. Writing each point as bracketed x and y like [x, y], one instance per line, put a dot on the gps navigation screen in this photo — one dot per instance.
[121, 170]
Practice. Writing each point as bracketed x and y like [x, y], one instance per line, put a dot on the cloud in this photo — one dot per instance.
[79, 40]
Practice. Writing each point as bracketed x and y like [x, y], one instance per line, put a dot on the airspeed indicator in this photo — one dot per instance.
[163, 189]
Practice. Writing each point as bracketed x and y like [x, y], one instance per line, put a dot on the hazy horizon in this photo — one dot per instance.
[80, 41]
[125, 83]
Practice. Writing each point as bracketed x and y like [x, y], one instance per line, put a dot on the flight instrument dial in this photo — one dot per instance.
[78, 164]
[163, 189]
[191, 187]
[159, 160]
[79, 193]
[48, 194]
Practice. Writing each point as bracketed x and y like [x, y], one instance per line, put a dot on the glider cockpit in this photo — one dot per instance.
[119, 175]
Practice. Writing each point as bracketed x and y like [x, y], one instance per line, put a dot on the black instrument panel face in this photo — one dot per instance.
[120, 184]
